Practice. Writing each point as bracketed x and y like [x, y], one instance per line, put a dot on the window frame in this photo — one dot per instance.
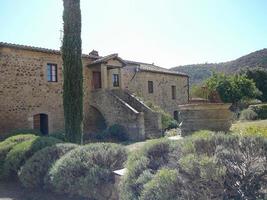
[51, 74]
[115, 80]
[150, 86]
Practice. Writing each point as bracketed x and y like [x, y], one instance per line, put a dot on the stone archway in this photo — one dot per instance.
[94, 121]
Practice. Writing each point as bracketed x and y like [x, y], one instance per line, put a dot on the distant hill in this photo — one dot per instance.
[200, 72]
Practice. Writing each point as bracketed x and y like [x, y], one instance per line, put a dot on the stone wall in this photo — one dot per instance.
[153, 127]
[25, 91]
[210, 116]
[137, 83]
[116, 111]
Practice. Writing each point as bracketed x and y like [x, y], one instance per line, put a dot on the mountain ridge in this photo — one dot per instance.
[200, 72]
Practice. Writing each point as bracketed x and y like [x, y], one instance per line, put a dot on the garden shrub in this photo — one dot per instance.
[118, 132]
[206, 165]
[142, 165]
[246, 165]
[19, 132]
[248, 114]
[203, 177]
[162, 186]
[9, 143]
[167, 121]
[260, 110]
[34, 171]
[86, 171]
[18, 155]
[61, 135]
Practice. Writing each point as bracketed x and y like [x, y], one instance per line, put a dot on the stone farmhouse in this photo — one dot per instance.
[31, 92]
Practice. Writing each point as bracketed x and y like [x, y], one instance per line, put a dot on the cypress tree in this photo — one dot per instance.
[72, 71]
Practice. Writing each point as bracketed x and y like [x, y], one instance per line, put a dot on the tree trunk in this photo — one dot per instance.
[72, 71]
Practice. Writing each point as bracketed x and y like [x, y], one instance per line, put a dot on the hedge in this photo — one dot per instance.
[86, 171]
[203, 166]
[23, 151]
[9, 143]
[34, 172]
[260, 110]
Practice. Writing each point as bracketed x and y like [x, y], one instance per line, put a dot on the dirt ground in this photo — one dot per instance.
[13, 191]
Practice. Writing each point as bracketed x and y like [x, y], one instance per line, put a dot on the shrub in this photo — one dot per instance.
[118, 132]
[167, 120]
[142, 165]
[9, 143]
[260, 110]
[203, 177]
[203, 166]
[20, 132]
[86, 171]
[246, 165]
[33, 173]
[162, 186]
[61, 135]
[248, 114]
[23, 151]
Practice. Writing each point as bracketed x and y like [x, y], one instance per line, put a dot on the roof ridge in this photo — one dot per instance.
[39, 49]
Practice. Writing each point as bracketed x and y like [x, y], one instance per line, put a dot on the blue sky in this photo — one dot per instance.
[166, 32]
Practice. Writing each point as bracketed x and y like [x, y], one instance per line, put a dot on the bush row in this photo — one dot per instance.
[203, 166]
[254, 112]
[47, 163]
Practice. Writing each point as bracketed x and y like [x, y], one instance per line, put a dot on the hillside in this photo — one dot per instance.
[199, 72]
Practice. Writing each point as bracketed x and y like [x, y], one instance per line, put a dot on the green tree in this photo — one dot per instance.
[259, 76]
[232, 89]
[72, 71]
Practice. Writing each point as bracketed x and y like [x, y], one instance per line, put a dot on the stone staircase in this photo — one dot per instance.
[152, 119]
[121, 107]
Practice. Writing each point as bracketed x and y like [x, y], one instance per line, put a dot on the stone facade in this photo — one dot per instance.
[25, 91]
[136, 81]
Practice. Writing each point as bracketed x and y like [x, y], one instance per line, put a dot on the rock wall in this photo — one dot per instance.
[210, 116]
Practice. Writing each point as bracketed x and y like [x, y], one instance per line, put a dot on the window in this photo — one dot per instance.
[150, 87]
[115, 80]
[51, 72]
[176, 115]
[173, 92]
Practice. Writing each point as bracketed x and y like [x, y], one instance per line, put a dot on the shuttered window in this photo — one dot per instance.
[51, 72]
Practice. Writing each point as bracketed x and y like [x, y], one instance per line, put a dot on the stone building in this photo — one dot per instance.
[31, 92]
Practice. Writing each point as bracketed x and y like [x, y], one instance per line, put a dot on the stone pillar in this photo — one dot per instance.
[104, 76]
[120, 78]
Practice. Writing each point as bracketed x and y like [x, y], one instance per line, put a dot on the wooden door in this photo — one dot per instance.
[40, 122]
[96, 80]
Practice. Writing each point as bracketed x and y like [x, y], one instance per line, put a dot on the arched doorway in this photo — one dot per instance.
[94, 121]
[175, 115]
[40, 122]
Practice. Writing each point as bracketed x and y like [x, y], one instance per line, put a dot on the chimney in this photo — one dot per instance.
[94, 53]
